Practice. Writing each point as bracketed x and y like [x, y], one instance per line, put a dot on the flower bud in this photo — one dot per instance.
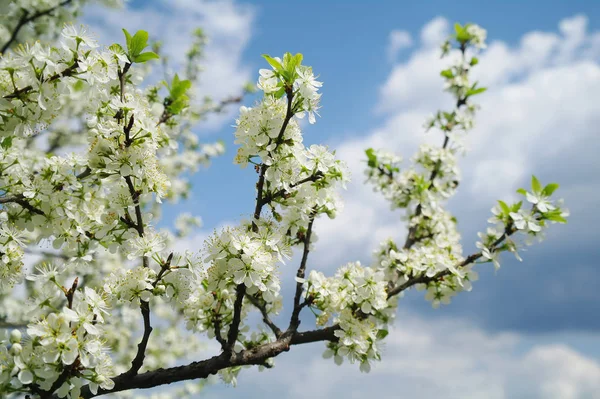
[15, 336]
[15, 349]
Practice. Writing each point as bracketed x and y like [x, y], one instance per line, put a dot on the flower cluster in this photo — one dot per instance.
[11, 253]
[356, 298]
[70, 338]
[513, 218]
[290, 76]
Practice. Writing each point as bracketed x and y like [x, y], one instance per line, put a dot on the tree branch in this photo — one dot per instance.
[234, 329]
[270, 197]
[423, 279]
[241, 288]
[26, 18]
[263, 311]
[202, 369]
[70, 71]
[295, 319]
[20, 199]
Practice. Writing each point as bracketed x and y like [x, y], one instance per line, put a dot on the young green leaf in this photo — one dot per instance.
[505, 208]
[273, 62]
[127, 38]
[149, 55]
[536, 186]
[372, 158]
[517, 206]
[179, 87]
[458, 28]
[549, 189]
[139, 42]
[381, 334]
[447, 73]
[6, 143]
[473, 91]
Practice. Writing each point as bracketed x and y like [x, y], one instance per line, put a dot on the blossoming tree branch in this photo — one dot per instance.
[89, 151]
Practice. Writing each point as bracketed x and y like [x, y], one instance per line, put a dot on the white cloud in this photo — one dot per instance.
[228, 25]
[435, 32]
[540, 111]
[398, 40]
[433, 359]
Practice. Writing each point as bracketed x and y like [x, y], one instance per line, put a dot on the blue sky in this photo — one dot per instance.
[539, 116]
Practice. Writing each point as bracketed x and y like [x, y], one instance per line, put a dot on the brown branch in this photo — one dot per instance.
[202, 369]
[295, 319]
[84, 174]
[263, 311]
[423, 279]
[234, 329]
[163, 269]
[138, 360]
[122, 75]
[70, 71]
[26, 18]
[281, 193]
[20, 199]
[241, 288]
[217, 322]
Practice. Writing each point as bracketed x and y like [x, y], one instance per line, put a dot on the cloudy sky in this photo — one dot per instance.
[531, 330]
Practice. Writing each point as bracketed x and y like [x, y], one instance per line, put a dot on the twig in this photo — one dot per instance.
[26, 18]
[295, 319]
[263, 311]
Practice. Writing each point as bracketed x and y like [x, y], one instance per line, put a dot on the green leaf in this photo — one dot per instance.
[536, 186]
[474, 91]
[461, 33]
[291, 62]
[504, 207]
[555, 215]
[178, 105]
[517, 206]
[179, 87]
[372, 158]
[279, 93]
[474, 61]
[558, 218]
[522, 191]
[273, 62]
[127, 38]
[381, 334]
[149, 55]
[7, 142]
[139, 42]
[447, 73]
[549, 189]
[458, 28]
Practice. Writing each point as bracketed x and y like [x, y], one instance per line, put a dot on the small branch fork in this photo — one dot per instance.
[261, 306]
[295, 319]
[21, 200]
[69, 71]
